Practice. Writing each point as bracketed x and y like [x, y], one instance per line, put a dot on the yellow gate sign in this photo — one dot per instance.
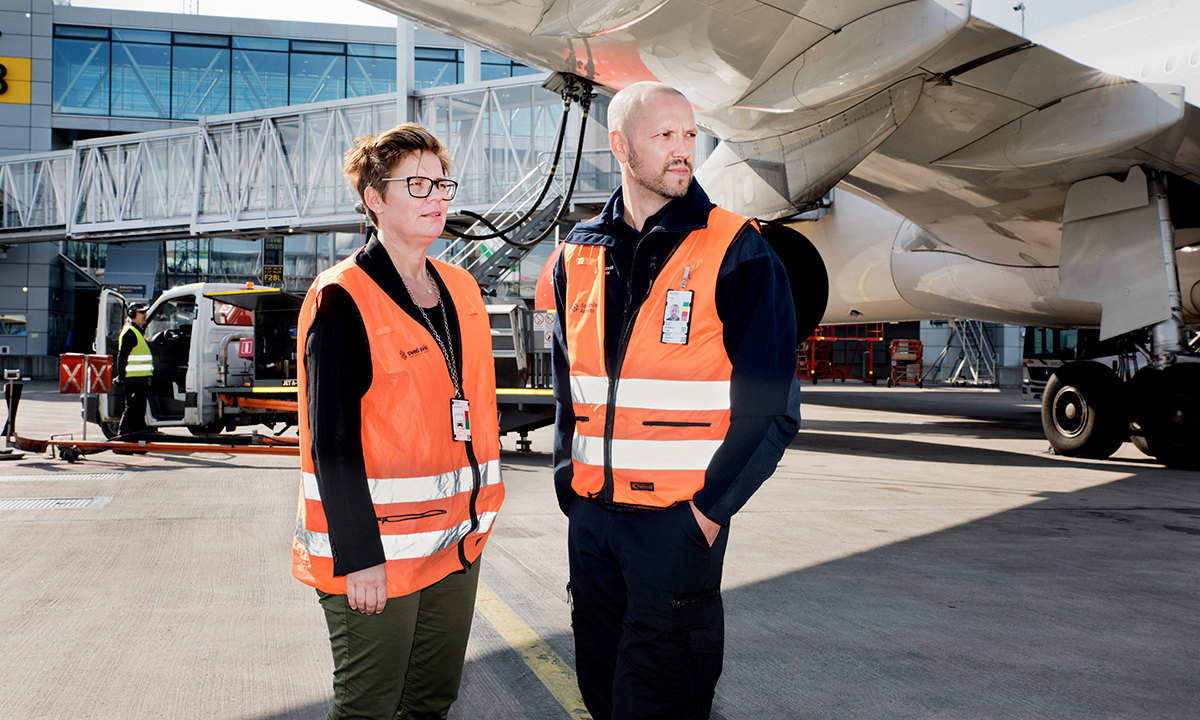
[15, 77]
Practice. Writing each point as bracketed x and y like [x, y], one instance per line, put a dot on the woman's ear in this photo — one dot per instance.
[372, 199]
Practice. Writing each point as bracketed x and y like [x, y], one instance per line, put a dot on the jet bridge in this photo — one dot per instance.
[279, 171]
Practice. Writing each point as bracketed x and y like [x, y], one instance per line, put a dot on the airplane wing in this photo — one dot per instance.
[973, 135]
[1023, 186]
[1003, 129]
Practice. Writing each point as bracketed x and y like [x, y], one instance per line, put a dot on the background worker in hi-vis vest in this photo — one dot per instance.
[133, 370]
[676, 394]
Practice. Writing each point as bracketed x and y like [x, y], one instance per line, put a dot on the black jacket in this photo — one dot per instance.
[754, 303]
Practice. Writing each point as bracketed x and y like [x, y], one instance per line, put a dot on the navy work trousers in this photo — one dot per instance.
[647, 616]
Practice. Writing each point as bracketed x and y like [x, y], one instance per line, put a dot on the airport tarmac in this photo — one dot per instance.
[916, 555]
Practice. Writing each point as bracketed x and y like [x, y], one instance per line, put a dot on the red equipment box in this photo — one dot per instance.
[100, 376]
[71, 369]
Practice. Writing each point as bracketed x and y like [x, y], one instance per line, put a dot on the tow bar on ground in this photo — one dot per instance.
[71, 449]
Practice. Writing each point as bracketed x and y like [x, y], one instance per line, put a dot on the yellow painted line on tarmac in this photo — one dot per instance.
[556, 675]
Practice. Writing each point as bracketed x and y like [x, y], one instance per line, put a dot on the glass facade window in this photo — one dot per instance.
[82, 31]
[494, 67]
[232, 260]
[365, 50]
[237, 260]
[260, 80]
[318, 46]
[370, 76]
[81, 76]
[141, 80]
[204, 40]
[129, 72]
[435, 67]
[260, 43]
[316, 77]
[141, 36]
[300, 256]
[199, 82]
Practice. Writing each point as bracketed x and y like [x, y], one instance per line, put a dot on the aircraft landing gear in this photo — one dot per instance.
[1082, 411]
[1167, 409]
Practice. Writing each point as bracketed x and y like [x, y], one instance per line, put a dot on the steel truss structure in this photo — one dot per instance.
[33, 194]
[277, 171]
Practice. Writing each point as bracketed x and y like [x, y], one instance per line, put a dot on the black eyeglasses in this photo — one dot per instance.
[420, 187]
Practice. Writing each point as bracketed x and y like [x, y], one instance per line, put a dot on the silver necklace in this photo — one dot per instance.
[447, 347]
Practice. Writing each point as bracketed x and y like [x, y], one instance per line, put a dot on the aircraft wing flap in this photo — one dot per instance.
[832, 15]
[1035, 76]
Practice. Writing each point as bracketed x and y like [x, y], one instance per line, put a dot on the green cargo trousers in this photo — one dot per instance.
[406, 662]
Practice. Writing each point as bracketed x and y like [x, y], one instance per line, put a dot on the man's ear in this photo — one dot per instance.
[618, 144]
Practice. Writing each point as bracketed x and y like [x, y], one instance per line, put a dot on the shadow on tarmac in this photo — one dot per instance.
[1080, 606]
[919, 451]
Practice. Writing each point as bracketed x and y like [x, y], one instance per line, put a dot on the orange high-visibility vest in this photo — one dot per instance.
[434, 507]
[656, 426]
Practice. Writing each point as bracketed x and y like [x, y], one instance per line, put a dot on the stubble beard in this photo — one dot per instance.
[659, 184]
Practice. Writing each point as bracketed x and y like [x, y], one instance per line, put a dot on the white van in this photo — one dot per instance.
[224, 356]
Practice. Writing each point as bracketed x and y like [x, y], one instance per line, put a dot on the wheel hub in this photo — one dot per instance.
[1070, 412]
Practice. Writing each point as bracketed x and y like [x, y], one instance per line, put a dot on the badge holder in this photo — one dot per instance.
[460, 419]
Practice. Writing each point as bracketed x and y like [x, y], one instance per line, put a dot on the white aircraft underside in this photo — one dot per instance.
[973, 173]
[969, 135]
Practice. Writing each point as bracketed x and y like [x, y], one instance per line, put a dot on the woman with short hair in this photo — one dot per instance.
[399, 442]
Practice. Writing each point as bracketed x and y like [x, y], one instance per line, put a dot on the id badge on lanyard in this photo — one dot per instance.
[460, 419]
[677, 313]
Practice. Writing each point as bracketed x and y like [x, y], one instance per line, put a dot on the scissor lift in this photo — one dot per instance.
[906, 363]
[833, 350]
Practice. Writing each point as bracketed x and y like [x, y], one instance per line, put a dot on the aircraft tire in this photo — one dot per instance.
[1083, 413]
[1169, 413]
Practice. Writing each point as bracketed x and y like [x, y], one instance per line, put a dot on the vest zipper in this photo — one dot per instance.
[614, 373]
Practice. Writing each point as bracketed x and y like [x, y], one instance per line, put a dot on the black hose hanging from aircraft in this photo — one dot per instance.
[573, 89]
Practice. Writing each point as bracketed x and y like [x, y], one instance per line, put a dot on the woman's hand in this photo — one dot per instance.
[367, 589]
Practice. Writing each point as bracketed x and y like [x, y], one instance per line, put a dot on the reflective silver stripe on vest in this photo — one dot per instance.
[139, 363]
[401, 547]
[385, 491]
[645, 454]
[653, 394]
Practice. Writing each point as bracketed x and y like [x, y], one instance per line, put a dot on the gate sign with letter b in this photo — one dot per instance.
[15, 80]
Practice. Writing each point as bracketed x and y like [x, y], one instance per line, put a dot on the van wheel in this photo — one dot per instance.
[213, 428]
[110, 429]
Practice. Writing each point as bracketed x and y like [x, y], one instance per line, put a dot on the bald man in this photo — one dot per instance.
[664, 428]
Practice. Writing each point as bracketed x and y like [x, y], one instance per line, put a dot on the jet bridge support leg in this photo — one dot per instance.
[1118, 250]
